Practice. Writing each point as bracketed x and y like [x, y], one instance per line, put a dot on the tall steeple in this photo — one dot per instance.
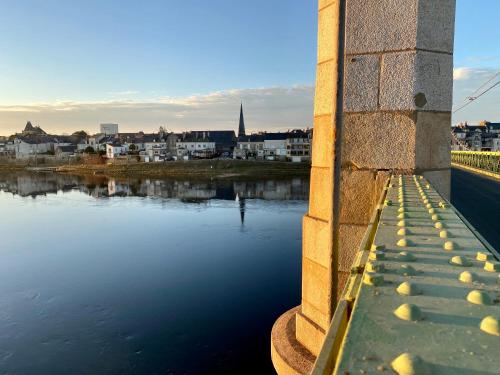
[241, 128]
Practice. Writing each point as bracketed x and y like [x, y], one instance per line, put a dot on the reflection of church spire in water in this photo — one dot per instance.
[242, 210]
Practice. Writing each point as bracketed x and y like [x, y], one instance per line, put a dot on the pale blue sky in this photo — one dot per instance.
[61, 55]
[88, 50]
[477, 35]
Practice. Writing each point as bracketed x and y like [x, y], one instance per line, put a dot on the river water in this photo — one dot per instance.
[104, 276]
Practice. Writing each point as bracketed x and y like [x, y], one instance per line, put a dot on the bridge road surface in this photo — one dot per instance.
[477, 198]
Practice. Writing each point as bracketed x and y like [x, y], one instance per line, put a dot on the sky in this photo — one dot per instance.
[188, 64]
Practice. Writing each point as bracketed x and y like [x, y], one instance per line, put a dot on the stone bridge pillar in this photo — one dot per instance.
[398, 81]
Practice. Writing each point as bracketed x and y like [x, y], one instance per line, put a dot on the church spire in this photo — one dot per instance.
[241, 128]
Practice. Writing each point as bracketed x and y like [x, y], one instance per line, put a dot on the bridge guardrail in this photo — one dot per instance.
[481, 160]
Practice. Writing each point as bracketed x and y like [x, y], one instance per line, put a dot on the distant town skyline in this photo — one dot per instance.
[188, 65]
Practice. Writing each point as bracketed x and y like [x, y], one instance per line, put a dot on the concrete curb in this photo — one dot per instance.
[476, 170]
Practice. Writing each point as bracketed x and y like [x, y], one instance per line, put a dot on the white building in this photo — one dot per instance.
[196, 146]
[109, 129]
[249, 147]
[298, 146]
[293, 145]
[275, 146]
[116, 149]
[24, 147]
[96, 142]
[155, 151]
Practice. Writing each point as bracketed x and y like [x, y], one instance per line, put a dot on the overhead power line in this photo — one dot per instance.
[471, 96]
[474, 98]
[484, 84]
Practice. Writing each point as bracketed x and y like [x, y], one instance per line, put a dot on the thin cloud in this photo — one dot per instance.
[461, 73]
[266, 108]
[466, 73]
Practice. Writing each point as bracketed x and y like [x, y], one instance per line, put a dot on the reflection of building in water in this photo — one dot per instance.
[199, 191]
[27, 184]
[295, 189]
[118, 189]
[185, 190]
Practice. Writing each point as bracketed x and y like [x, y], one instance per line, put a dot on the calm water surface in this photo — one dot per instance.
[102, 276]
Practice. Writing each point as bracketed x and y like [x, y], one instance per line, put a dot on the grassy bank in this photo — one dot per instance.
[195, 169]
[11, 167]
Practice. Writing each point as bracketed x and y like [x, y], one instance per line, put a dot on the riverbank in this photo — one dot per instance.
[194, 169]
[12, 167]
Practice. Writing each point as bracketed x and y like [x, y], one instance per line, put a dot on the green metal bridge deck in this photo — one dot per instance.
[424, 297]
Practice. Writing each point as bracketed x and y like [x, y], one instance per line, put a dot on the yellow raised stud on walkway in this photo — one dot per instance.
[444, 234]
[467, 277]
[376, 255]
[460, 261]
[443, 205]
[490, 325]
[372, 278]
[483, 257]
[409, 364]
[408, 289]
[479, 297]
[375, 267]
[403, 242]
[449, 245]
[408, 312]
[491, 266]
[403, 232]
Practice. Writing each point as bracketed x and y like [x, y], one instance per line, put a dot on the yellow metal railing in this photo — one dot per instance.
[488, 161]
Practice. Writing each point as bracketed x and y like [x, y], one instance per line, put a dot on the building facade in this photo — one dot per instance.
[109, 129]
[481, 137]
[298, 146]
[249, 147]
[205, 144]
[113, 150]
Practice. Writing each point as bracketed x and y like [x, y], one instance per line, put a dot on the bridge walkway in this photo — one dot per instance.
[426, 293]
